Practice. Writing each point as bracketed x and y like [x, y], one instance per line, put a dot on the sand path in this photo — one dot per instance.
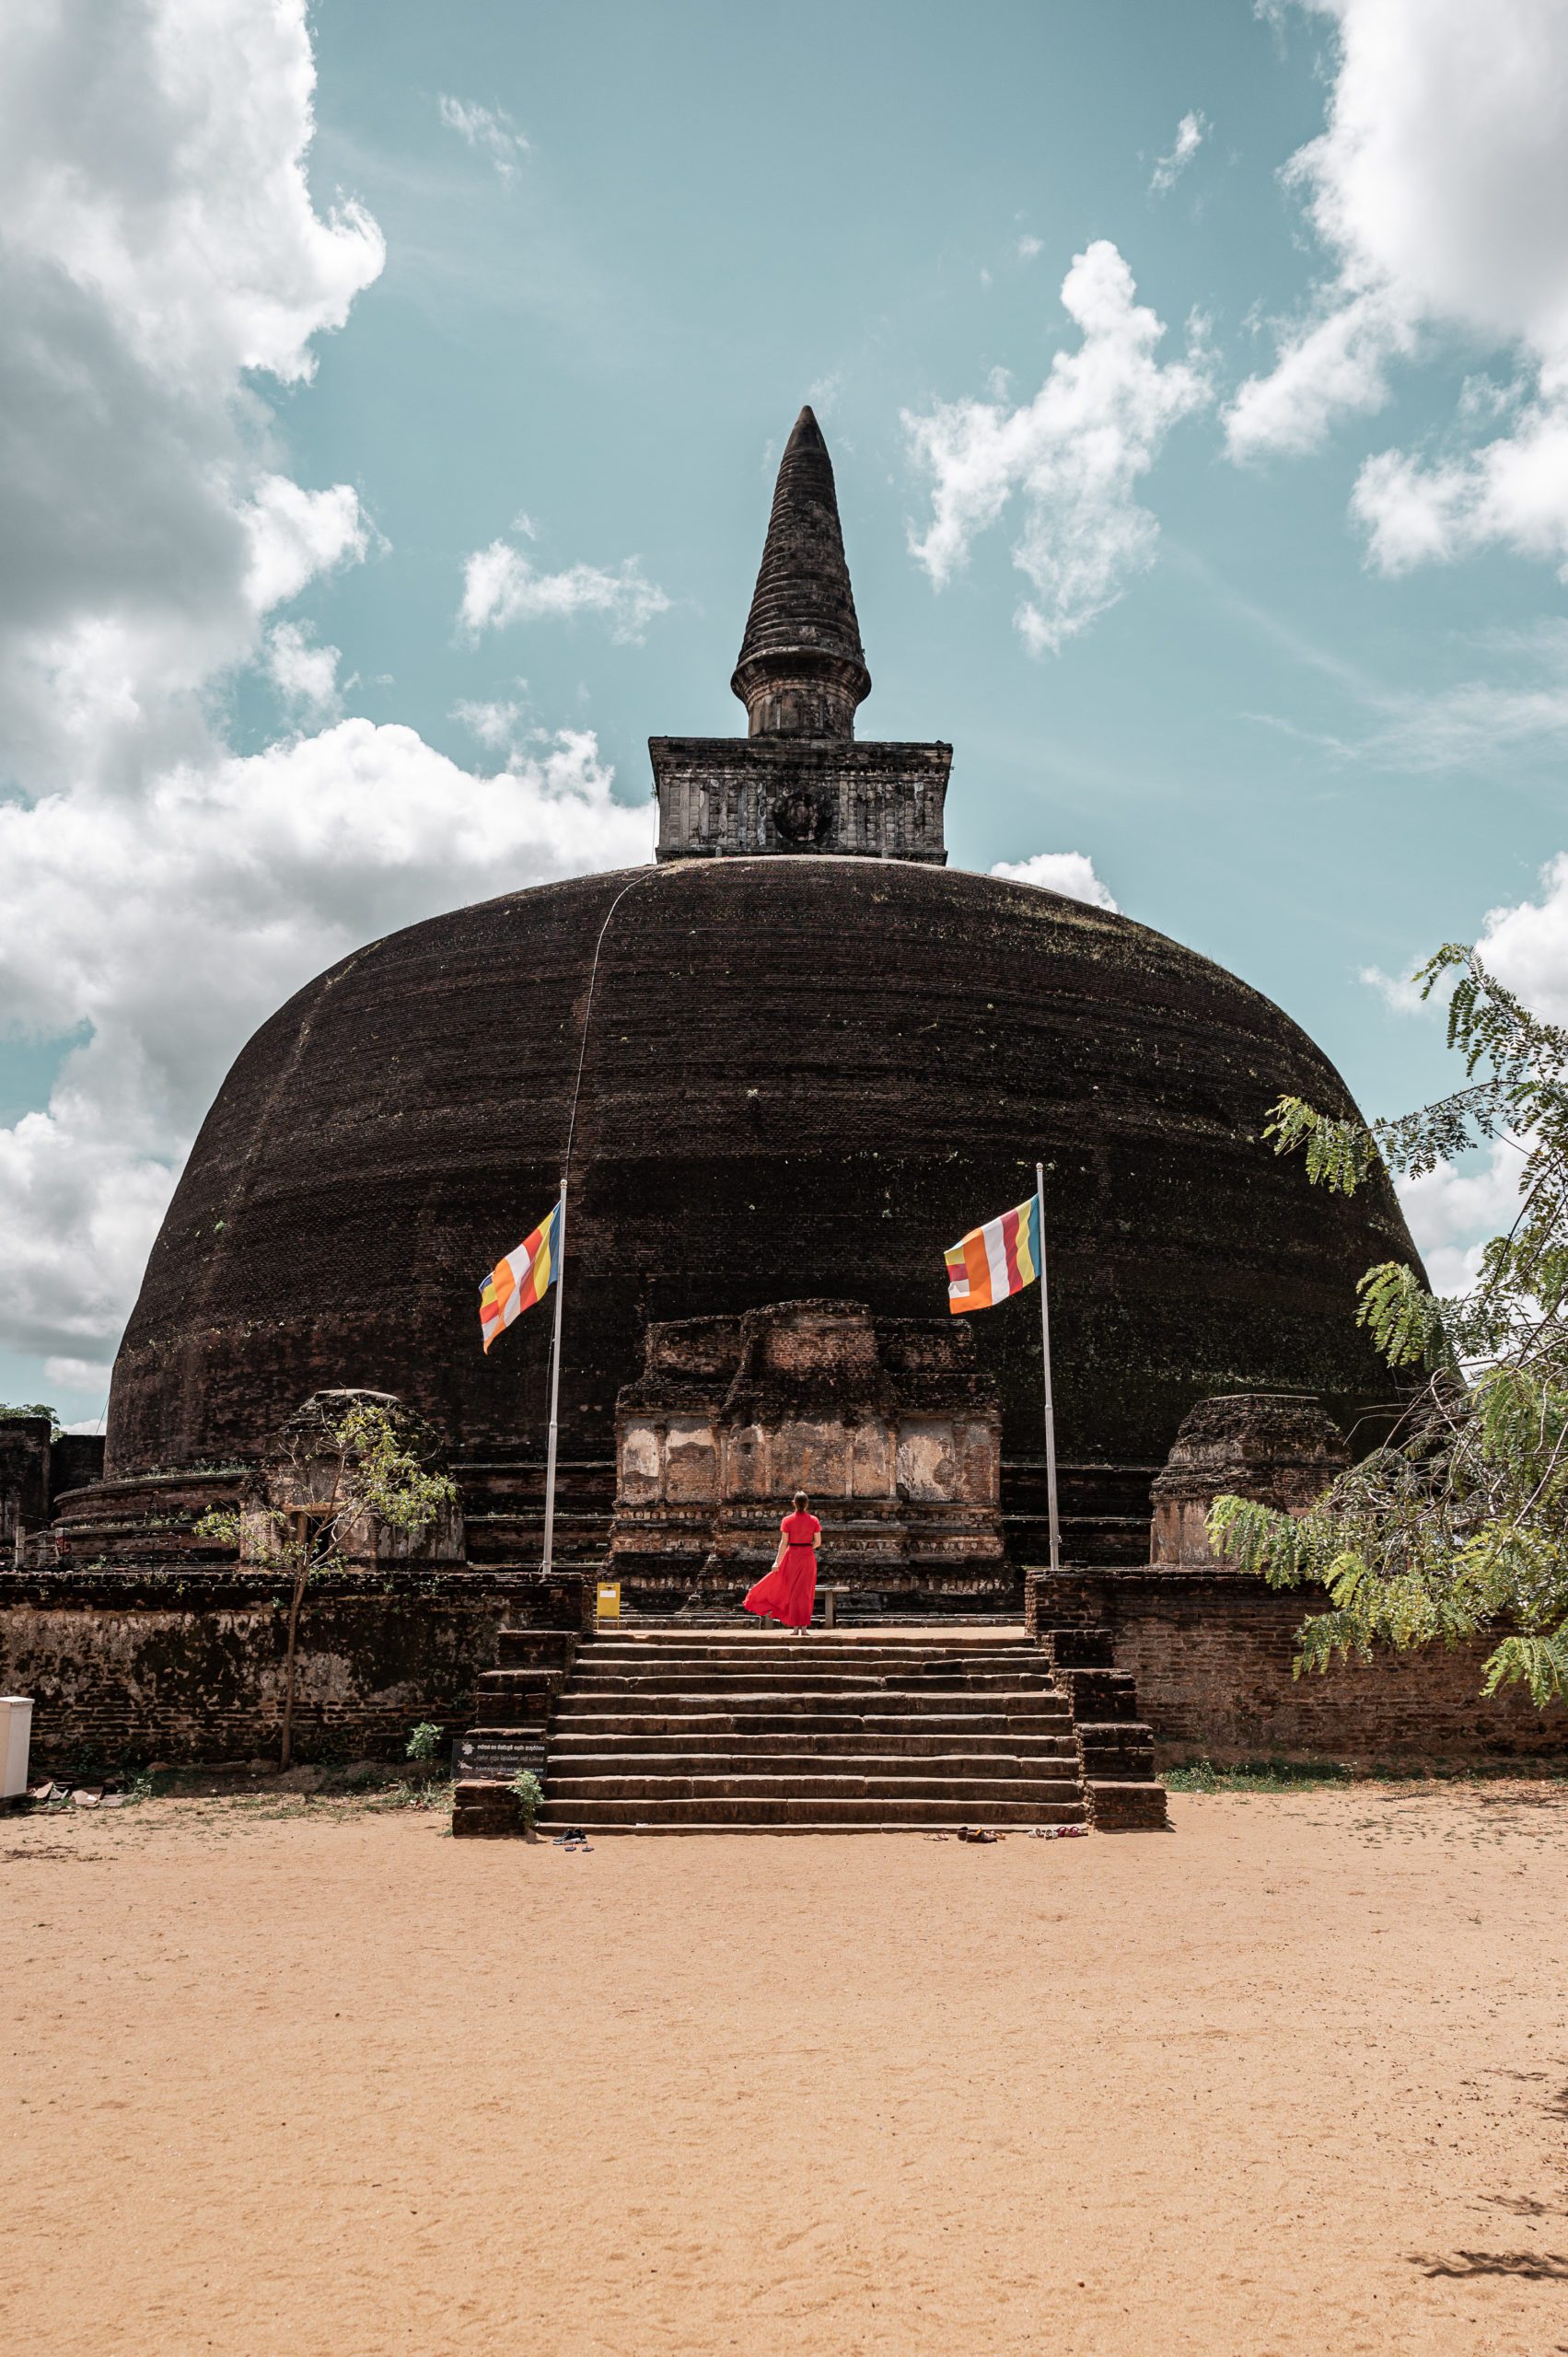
[1290, 2080]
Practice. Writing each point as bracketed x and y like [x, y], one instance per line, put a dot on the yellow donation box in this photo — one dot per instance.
[609, 1599]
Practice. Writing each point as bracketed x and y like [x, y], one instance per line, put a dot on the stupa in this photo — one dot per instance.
[817, 1054]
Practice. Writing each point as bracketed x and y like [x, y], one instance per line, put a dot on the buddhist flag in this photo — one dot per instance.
[524, 1277]
[992, 1261]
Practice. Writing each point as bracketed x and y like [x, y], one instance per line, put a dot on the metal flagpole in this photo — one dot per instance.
[555, 1383]
[1045, 1346]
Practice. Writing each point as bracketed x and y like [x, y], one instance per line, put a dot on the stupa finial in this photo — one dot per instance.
[802, 668]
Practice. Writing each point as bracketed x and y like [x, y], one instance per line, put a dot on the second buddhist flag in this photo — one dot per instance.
[524, 1277]
[992, 1261]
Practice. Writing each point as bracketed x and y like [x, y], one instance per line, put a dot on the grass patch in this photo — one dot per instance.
[1310, 1775]
[1255, 1776]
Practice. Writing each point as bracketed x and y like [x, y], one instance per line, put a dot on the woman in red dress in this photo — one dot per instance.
[789, 1590]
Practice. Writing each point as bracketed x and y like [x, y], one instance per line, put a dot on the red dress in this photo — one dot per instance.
[787, 1593]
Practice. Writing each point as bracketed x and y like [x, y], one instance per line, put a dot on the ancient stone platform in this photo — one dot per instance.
[756, 1730]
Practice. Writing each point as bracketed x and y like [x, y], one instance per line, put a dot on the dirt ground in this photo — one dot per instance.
[1288, 2081]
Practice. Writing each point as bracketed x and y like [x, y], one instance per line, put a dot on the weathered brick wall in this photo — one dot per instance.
[124, 1669]
[1212, 1655]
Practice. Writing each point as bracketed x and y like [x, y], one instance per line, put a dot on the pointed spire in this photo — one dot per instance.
[802, 668]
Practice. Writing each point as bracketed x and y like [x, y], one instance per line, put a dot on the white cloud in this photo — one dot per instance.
[1511, 493]
[77, 1375]
[1074, 453]
[1438, 187]
[1191, 133]
[1399, 993]
[488, 129]
[174, 922]
[502, 585]
[158, 250]
[304, 675]
[497, 725]
[1069, 871]
[1454, 1213]
[1030, 247]
[159, 258]
[1526, 945]
[1328, 368]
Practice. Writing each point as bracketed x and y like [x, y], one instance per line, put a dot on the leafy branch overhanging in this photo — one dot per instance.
[1458, 1524]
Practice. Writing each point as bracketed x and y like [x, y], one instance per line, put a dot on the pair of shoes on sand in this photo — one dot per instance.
[572, 1839]
[977, 1833]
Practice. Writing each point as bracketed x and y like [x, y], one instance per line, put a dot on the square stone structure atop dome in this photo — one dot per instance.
[799, 782]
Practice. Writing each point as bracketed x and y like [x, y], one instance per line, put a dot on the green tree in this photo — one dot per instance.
[1460, 1523]
[33, 1408]
[362, 1465]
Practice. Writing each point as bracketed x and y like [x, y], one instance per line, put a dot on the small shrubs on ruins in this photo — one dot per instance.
[1459, 1524]
[341, 1472]
[530, 1795]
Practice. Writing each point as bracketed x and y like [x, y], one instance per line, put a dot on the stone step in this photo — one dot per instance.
[610, 1739]
[1028, 1669]
[1118, 1748]
[675, 1676]
[1006, 1709]
[570, 1723]
[747, 1631]
[820, 1781]
[1079, 1648]
[842, 1653]
[1100, 1694]
[889, 1814]
[1125, 1807]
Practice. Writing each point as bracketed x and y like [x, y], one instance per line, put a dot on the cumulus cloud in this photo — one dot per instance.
[1068, 872]
[1074, 455]
[503, 585]
[175, 921]
[1526, 946]
[160, 261]
[496, 724]
[78, 1375]
[489, 130]
[1191, 133]
[1454, 1213]
[1511, 493]
[304, 675]
[1453, 1210]
[1327, 368]
[1438, 187]
[158, 250]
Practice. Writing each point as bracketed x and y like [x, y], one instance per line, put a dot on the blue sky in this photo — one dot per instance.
[1308, 718]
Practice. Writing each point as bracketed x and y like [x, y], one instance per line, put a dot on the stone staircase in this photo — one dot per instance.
[756, 1731]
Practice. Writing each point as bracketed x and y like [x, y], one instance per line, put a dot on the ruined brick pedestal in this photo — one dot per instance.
[886, 1422]
[1279, 1448]
[485, 1809]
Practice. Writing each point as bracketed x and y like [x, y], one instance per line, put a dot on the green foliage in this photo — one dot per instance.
[1459, 1524]
[33, 1408]
[529, 1792]
[336, 1471]
[1254, 1776]
[425, 1741]
[360, 1465]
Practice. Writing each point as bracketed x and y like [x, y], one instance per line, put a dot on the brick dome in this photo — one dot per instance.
[802, 1077]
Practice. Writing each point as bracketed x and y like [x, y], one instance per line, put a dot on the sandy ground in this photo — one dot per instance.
[1289, 2081]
